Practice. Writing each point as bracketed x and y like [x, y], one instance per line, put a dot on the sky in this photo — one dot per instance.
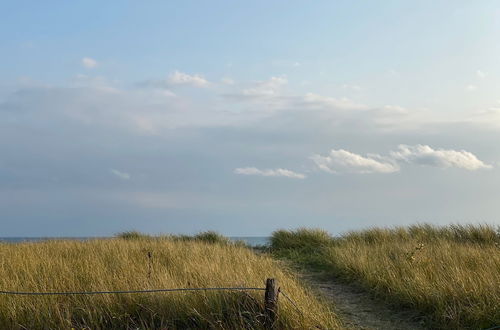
[247, 117]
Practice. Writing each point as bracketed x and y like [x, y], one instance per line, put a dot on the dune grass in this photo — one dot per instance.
[125, 263]
[449, 274]
[209, 236]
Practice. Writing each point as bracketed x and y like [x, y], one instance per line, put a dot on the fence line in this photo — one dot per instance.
[272, 291]
[294, 304]
[21, 293]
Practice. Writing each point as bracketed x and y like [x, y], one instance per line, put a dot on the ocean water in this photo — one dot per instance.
[250, 240]
[253, 240]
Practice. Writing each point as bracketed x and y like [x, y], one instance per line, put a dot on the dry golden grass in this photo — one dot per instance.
[450, 274]
[119, 264]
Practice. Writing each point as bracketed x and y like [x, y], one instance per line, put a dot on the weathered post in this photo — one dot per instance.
[150, 264]
[271, 302]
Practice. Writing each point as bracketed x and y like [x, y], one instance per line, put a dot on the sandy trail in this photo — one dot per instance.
[360, 311]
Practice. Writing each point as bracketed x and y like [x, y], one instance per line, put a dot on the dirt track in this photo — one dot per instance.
[360, 311]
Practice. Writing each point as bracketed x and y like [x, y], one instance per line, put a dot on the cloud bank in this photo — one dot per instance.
[141, 148]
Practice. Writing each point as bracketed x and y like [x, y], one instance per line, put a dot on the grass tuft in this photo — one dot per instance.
[211, 237]
[132, 235]
[301, 238]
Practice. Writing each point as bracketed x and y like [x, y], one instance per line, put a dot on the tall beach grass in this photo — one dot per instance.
[449, 274]
[140, 262]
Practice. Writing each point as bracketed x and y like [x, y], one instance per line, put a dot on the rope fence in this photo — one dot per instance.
[21, 293]
[294, 304]
[270, 302]
[271, 295]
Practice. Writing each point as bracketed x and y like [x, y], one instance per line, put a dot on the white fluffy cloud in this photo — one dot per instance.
[343, 161]
[268, 172]
[443, 158]
[89, 62]
[181, 78]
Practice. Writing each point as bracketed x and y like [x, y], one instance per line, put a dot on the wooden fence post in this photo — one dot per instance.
[150, 264]
[271, 302]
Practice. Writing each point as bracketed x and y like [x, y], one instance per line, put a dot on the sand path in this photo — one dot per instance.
[360, 311]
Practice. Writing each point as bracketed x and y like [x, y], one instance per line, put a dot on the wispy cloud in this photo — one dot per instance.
[268, 87]
[280, 172]
[181, 78]
[470, 88]
[227, 81]
[351, 87]
[321, 101]
[120, 174]
[89, 62]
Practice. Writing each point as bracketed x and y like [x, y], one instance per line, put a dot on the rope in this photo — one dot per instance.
[23, 293]
[127, 291]
[291, 301]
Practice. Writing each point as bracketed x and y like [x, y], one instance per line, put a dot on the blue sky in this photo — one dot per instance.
[247, 117]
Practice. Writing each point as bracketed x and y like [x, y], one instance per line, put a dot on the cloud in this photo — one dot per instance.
[268, 87]
[485, 118]
[351, 87]
[116, 123]
[227, 81]
[343, 161]
[181, 78]
[176, 78]
[94, 82]
[89, 63]
[471, 88]
[280, 172]
[120, 174]
[150, 107]
[394, 109]
[268, 99]
[319, 101]
[480, 74]
[443, 158]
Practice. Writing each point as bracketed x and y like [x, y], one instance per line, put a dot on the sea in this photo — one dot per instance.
[249, 240]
